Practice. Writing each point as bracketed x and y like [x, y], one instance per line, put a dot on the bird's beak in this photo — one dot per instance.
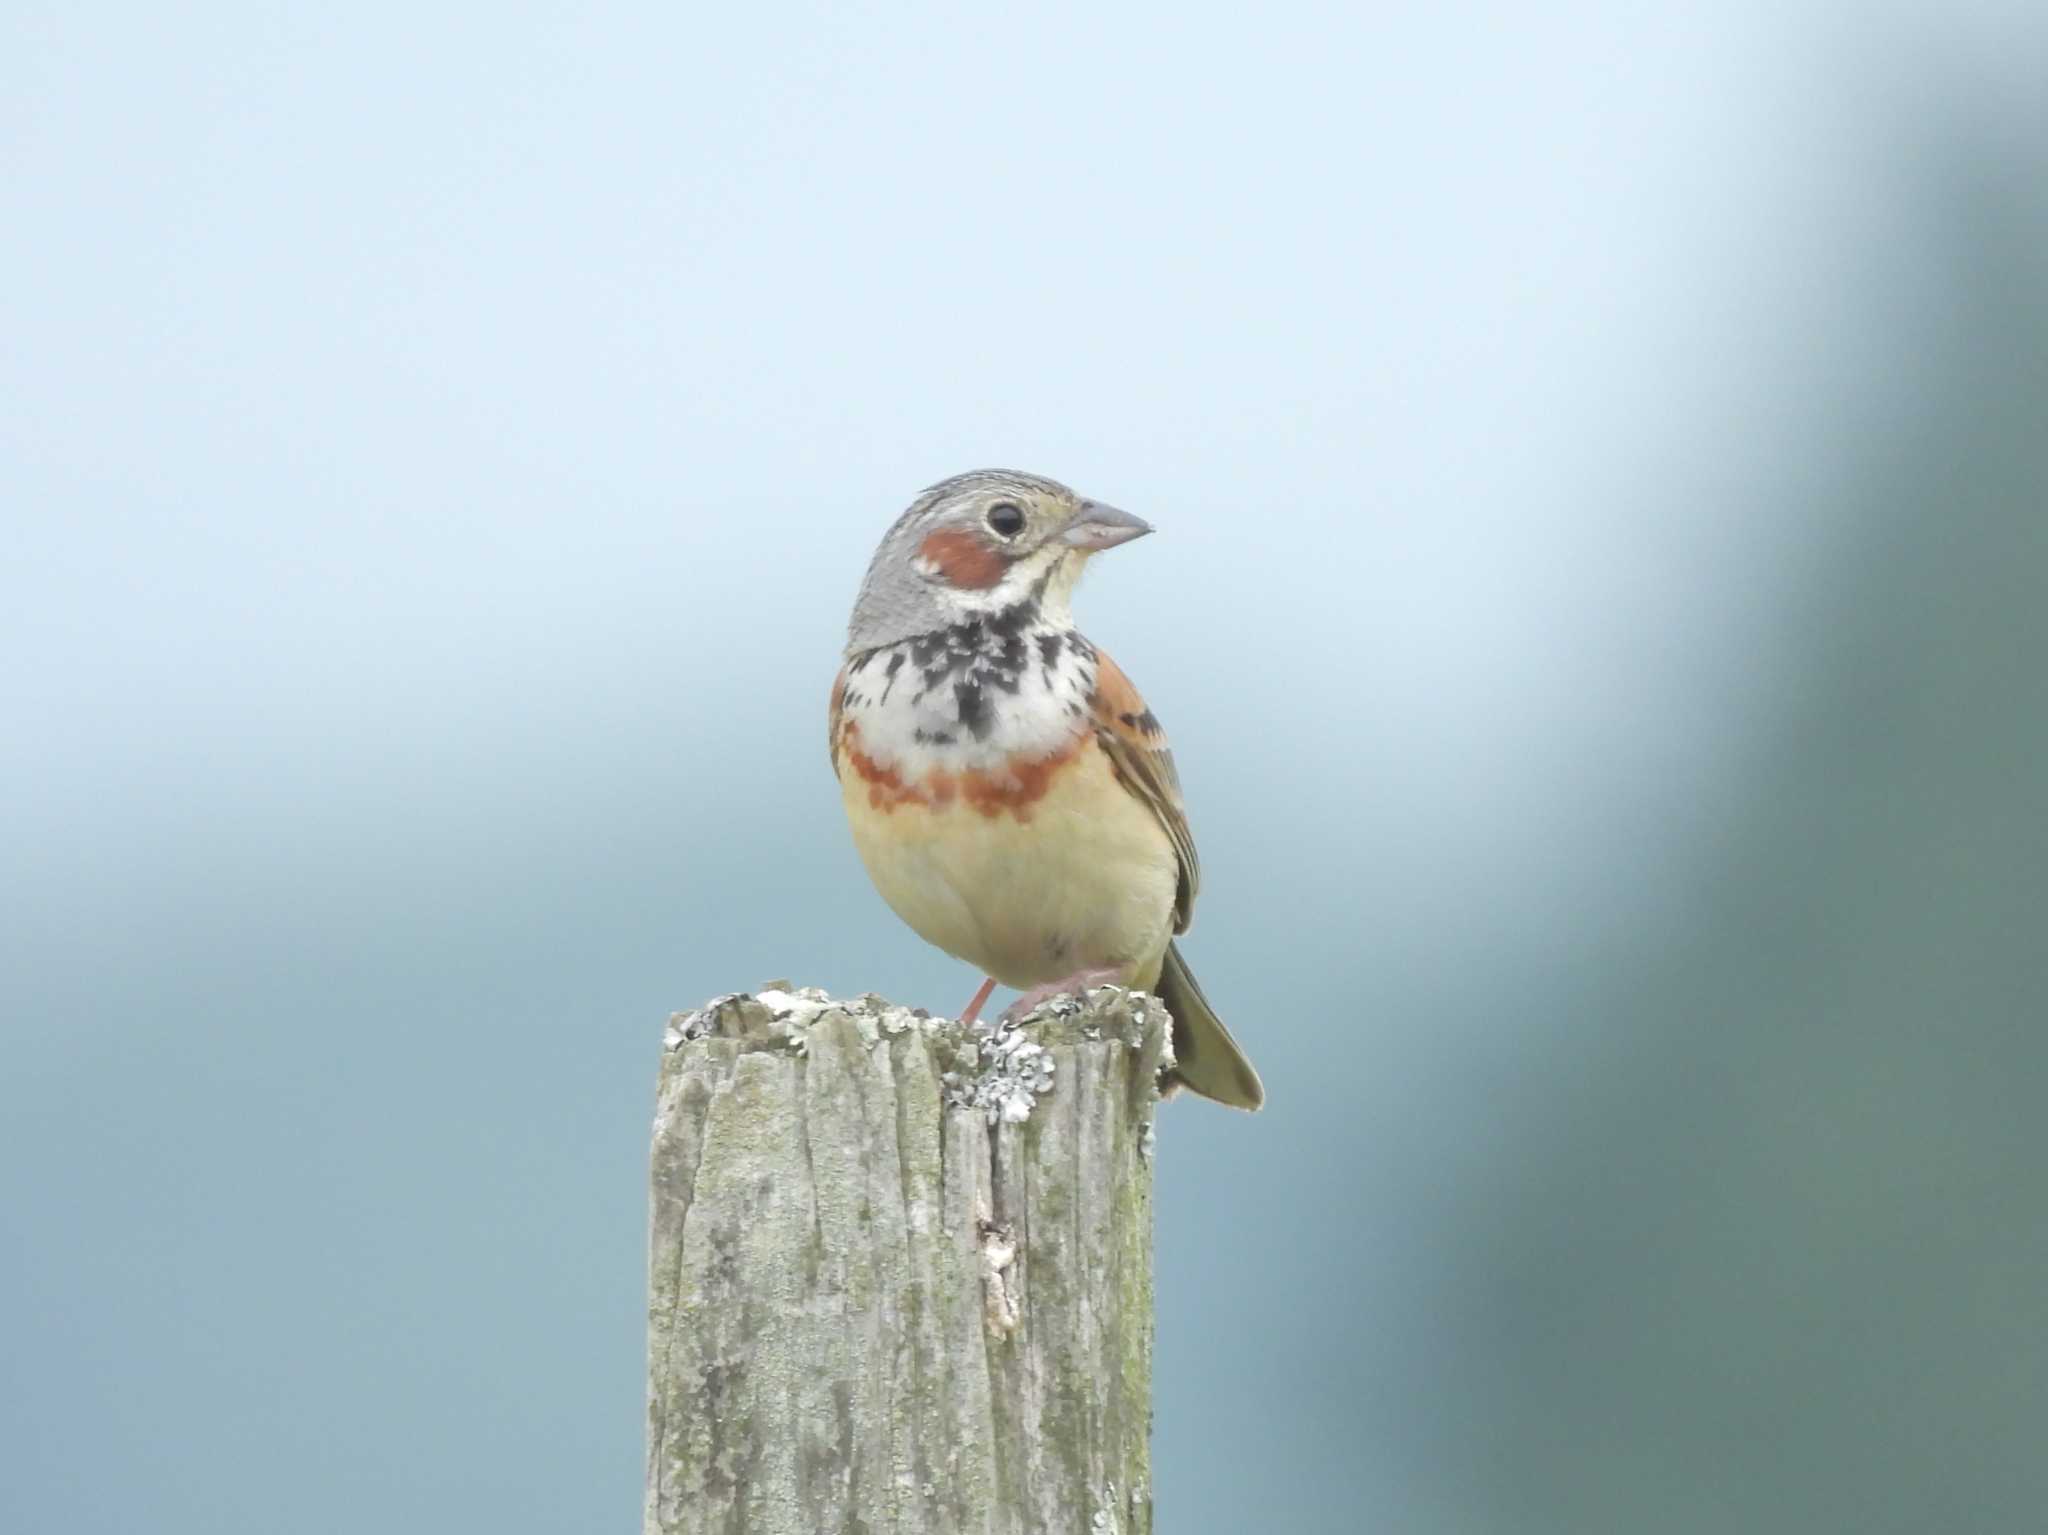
[1097, 526]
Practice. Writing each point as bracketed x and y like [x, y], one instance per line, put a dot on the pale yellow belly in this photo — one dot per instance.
[1083, 880]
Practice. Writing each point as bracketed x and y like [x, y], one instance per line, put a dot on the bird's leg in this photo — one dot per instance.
[974, 1008]
[1077, 984]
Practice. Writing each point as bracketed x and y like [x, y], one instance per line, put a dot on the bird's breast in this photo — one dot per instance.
[1011, 787]
[1032, 873]
[987, 813]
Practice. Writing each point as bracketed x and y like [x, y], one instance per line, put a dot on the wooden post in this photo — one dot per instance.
[901, 1270]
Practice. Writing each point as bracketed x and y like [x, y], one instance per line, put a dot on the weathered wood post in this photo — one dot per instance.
[900, 1273]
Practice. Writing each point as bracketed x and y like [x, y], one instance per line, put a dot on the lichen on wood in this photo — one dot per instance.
[901, 1268]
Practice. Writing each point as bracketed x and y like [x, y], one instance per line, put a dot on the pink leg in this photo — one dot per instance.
[974, 1008]
[1073, 985]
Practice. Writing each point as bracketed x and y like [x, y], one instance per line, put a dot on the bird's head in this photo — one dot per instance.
[979, 545]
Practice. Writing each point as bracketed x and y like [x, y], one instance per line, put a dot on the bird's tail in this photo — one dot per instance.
[1207, 1059]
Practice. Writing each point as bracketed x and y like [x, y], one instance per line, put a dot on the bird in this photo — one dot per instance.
[1013, 799]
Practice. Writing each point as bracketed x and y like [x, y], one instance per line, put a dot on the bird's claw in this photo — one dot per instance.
[1079, 984]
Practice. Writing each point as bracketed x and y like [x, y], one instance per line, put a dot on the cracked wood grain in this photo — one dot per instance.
[900, 1271]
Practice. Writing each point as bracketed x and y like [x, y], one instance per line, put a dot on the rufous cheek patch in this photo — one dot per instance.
[963, 560]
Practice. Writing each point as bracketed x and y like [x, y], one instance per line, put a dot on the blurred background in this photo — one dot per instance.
[1600, 456]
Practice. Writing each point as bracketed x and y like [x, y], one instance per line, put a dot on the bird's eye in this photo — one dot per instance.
[1005, 519]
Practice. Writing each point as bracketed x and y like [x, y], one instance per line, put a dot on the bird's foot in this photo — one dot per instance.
[974, 1008]
[1078, 984]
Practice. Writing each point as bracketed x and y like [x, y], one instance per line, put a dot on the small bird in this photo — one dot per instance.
[1011, 795]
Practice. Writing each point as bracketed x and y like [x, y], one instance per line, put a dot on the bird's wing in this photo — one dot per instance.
[1136, 743]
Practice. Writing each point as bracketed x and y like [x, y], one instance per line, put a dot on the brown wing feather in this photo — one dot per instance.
[1136, 743]
[832, 722]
